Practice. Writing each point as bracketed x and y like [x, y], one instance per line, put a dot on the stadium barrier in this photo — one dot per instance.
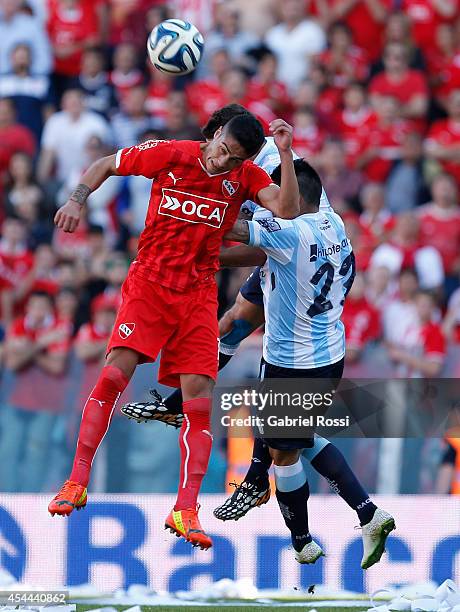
[118, 540]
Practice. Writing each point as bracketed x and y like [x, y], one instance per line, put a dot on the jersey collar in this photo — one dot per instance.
[211, 175]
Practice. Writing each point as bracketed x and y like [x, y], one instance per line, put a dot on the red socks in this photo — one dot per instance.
[95, 420]
[195, 441]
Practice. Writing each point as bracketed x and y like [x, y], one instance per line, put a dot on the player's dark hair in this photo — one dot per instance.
[310, 185]
[248, 132]
[221, 117]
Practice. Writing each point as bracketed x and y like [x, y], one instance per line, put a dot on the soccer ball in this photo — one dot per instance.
[175, 46]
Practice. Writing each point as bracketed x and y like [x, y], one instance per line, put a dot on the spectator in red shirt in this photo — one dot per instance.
[443, 140]
[72, 27]
[125, 73]
[440, 223]
[421, 352]
[366, 19]
[427, 16]
[354, 119]
[408, 86]
[379, 144]
[404, 250]
[206, 96]
[235, 87]
[37, 350]
[159, 88]
[343, 61]
[361, 320]
[308, 136]
[444, 64]
[265, 87]
[16, 261]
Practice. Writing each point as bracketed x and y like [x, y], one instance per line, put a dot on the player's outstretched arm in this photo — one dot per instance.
[68, 216]
[283, 201]
[241, 256]
[239, 232]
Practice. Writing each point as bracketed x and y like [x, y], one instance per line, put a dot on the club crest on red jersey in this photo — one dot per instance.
[192, 208]
[125, 330]
[229, 187]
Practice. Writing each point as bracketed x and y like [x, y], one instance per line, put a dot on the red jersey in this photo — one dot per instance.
[70, 27]
[412, 84]
[355, 67]
[157, 99]
[13, 139]
[446, 132]
[425, 20]
[274, 95]
[14, 267]
[350, 127]
[189, 212]
[367, 32]
[49, 391]
[387, 139]
[362, 322]
[203, 98]
[308, 142]
[440, 229]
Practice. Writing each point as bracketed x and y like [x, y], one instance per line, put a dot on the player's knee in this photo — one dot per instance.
[195, 386]
[282, 457]
[124, 359]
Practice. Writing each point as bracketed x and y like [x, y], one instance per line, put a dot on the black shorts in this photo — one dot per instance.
[251, 290]
[334, 371]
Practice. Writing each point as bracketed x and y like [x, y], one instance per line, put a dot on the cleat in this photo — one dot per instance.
[186, 524]
[310, 553]
[247, 495]
[374, 535]
[71, 496]
[154, 410]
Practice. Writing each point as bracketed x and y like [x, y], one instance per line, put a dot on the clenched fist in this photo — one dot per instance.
[282, 133]
[67, 217]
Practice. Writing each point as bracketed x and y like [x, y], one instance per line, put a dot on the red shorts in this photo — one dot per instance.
[183, 326]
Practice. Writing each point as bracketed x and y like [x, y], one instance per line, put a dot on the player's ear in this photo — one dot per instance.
[217, 133]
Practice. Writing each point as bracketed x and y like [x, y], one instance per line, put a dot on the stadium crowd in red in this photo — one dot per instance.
[372, 88]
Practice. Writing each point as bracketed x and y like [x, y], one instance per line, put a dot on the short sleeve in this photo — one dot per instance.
[16, 329]
[434, 344]
[145, 159]
[277, 237]
[257, 179]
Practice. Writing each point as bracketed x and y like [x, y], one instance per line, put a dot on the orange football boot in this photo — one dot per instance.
[186, 524]
[71, 496]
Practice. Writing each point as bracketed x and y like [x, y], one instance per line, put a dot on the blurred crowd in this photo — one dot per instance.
[372, 88]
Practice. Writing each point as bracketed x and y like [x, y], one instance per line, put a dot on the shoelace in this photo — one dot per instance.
[68, 488]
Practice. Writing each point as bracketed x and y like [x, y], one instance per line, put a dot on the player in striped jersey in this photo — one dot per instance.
[309, 271]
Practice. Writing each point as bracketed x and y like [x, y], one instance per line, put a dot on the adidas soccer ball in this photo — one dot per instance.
[175, 46]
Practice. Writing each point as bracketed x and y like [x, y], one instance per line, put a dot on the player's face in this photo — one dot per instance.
[223, 153]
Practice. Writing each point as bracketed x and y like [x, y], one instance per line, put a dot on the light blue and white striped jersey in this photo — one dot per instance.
[309, 271]
[268, 159]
